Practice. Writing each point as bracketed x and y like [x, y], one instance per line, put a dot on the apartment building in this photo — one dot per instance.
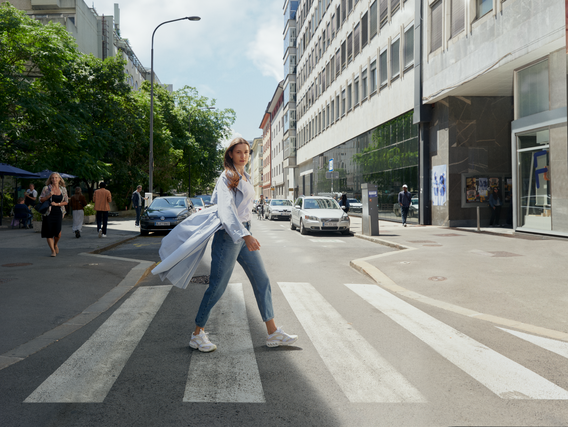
[272, 143]
[94, 33]
[256, 166]
[355, 98]
[494, 89]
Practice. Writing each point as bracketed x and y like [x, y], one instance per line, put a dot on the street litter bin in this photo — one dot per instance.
[370, 209]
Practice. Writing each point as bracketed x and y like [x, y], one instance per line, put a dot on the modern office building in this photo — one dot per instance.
[494, 89]
[94, 33]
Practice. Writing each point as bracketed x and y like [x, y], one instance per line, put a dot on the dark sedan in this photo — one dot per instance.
[165, 213]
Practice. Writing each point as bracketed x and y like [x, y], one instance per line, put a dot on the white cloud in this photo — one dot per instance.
[266, 49]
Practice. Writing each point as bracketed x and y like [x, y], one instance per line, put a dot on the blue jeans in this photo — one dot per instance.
[138, 210]
[224, 254]
[404, 213]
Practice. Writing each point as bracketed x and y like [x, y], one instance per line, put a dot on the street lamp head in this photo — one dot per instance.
[193, 18]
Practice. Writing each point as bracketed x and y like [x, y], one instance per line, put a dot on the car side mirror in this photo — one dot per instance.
[298, 207]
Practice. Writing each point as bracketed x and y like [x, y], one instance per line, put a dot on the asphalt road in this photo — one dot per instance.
[365, 356]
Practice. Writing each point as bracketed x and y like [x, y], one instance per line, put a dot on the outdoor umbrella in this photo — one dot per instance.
[46, 173]
[10, 170]
[183, 248]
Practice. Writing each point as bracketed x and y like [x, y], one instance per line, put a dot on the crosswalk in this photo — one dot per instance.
[231, 374]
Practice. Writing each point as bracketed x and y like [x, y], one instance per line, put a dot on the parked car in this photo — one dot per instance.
[412, 211]
[354, 205]
[315, 213]
[278, 208]
[198, 203]
[165, 213]
[206, 199]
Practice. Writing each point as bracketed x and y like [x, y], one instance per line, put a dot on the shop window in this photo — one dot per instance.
[534, 204]
[532, 90]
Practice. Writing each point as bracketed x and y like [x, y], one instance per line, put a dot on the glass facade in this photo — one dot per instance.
[386, 156]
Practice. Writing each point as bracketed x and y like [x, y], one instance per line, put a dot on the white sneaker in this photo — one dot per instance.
[201, 342]
[100, 233]
[104, 235]
[279, 338]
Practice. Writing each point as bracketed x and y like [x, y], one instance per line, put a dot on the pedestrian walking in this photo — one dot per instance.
[102, 198]
[495, 204]
[260, 207]
[404, 200]
[344, 203]
[78, 203]
[137, 203]
[31, 196]
[234, 196]
[56, 192]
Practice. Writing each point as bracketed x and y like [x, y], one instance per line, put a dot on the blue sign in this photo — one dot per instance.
[331, 165]
[372, 193]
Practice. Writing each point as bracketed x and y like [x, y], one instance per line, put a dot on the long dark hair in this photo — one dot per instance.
[230, 170]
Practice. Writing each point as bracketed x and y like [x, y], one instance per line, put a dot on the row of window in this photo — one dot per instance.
[376, 17]
[401, 54]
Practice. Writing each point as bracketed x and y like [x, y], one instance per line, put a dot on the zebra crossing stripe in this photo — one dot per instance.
[88, 375]
[555, 346]
[230, 373]
[504, 377]
[360, 371]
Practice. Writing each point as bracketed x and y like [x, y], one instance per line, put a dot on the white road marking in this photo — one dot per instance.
[230, 373]
[89, 374]
[360, 371]
[555, 346]
[504, 377]
[323, 240]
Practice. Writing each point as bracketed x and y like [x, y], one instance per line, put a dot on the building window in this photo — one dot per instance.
[436, 26]
[337, 107]
[332, 70]
[532, 90]
[332, 111]
[409, 47]
[337, 62]
[364, 30]
[349, 97]
[395, 59]
[356, 38]
[343, 11]
[356, 91]
[483, 7]
[333, 26]
[373, 20]
[349, 47]
[458, 17]
[343, 111]
[383, 64]
[395, 5]
[327, 115]
[373, 76]
[384, 11]
[343, 55]
[364, 84]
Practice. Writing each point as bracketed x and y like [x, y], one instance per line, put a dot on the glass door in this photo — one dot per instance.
[533, 186]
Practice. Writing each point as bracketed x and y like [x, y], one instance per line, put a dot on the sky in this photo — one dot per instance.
[233, 54]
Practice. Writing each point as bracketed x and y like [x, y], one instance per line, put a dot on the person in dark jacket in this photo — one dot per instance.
[344, 203]
[404, 200]
[137, 203]
[495, 203]
[23, 213]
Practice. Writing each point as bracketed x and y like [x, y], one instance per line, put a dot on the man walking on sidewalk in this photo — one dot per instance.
[137, 203]
[102, 199]
[404, 200]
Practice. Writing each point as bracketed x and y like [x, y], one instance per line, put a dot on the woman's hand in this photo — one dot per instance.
[252, 243]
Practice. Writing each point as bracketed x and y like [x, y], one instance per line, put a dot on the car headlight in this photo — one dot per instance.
[313, 218]
[182, 215]
[345, 217]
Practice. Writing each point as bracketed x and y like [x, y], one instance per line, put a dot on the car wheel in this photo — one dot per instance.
[144, 232]
[292, 226]
[303, 229]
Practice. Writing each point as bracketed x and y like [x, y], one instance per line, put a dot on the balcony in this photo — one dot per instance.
[46, 4]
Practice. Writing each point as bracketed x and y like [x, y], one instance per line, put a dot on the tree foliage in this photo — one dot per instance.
[74, 113]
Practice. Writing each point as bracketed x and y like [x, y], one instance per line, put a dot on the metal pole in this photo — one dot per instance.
[151, 161]
[478, 221]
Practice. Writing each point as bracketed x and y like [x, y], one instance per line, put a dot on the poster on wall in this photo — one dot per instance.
[439, 185]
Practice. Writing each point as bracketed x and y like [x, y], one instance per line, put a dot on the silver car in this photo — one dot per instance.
[318, 214]
[278, 208]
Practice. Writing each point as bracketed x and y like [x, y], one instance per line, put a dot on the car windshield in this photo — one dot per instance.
[206, 198]
[320, 204]
[280, 203]
[169, 202]
[197, 201]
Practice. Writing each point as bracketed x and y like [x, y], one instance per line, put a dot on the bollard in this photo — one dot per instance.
[478, 218]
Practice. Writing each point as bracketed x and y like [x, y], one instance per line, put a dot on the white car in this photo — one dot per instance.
[355, 205]
[278, 208]
[317, 213]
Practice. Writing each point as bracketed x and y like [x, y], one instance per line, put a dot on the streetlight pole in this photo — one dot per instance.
[189, 151]
[151, 166]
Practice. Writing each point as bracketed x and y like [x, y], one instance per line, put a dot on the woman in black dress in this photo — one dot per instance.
[55, 191]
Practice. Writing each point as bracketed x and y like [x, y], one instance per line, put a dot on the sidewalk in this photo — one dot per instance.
[513, 280]
[43, 299]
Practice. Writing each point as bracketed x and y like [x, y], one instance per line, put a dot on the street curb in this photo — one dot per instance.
[134, 277]
[382, 280]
